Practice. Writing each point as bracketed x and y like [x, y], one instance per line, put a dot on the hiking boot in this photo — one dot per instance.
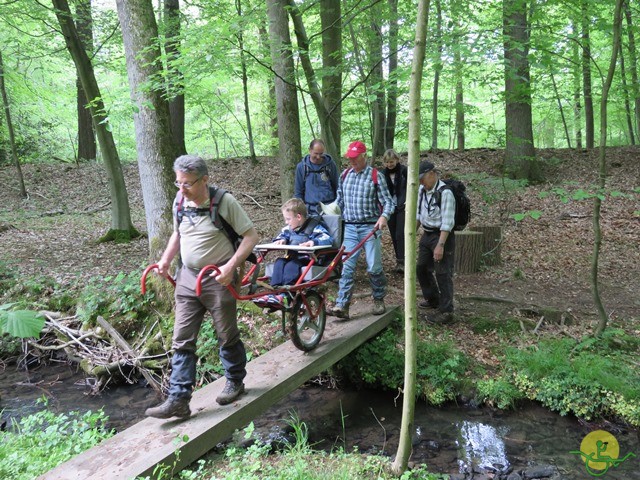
[378, 306]
[428, 304]
[399, 267]
[171, 407]
[441, 318]
[339, 311]
[232, 390]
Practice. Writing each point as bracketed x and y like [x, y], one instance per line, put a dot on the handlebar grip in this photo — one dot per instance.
[201, 276]
[143, 280]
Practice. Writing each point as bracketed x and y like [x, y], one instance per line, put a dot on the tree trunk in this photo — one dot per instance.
[437, 68]
[491, 244]
[559, 100]
[586, 76]
[602, 171]
[271, 87]
[400, 463]
[245, 87]
[520, 157]
[633, 60]
[326, 124]
[577, 88]
[174, 76]
[458, 39]
[330, 18]
[121, 226]
[12, 137]
[375, 81]
[286, 95]
[151, 118]
[86, 134]
[469, 247]
[625, 93]
[392, 81]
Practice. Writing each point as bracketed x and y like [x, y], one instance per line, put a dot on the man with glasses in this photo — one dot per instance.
[201, 243]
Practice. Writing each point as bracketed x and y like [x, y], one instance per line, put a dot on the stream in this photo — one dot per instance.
[452, 439]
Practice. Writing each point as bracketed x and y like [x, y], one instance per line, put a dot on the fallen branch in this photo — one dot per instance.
[128, 350]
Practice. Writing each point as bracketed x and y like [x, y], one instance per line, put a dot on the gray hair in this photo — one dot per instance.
[190, 164]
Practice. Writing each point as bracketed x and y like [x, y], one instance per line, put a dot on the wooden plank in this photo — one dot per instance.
[138, 450]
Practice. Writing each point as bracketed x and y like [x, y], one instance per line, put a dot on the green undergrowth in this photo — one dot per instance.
[298, 460]
[592, 379]
[41, 441]
[379, 363]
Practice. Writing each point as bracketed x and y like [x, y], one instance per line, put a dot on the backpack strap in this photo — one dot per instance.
[310, 224]
[215, 196]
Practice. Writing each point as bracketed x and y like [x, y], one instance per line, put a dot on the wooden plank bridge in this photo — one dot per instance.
[138, 450]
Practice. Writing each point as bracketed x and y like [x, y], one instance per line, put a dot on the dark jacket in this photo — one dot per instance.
[398, 188]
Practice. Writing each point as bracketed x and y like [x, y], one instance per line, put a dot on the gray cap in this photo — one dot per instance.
[425, 167]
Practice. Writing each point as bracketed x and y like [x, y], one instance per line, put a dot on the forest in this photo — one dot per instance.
[535, 105]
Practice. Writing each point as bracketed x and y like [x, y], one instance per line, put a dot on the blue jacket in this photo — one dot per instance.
[316, 183]
[319, 234]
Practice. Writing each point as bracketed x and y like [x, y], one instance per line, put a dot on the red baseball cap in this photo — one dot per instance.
[355, 149]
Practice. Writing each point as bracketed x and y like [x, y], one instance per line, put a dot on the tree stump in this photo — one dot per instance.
[468, 252]
[491, 244]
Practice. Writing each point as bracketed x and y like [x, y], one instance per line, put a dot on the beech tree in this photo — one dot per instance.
[286, 94]
[12, 142]
[520, 156]
[175, 78]
[154, 141]
[87, 148]
[121, 226]
[410, 300]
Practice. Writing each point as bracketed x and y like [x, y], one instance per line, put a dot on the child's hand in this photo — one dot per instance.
[307, 244]
[279, 242]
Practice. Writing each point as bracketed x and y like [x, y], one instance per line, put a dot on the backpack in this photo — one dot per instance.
[215, 197]
[463, 205]
[374, 177]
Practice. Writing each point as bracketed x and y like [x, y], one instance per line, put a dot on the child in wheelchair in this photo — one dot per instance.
[301, 230]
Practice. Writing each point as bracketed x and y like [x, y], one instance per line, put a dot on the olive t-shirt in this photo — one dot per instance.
[201, 243]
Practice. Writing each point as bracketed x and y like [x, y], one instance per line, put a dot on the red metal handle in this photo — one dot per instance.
[143, 280]
[201, 275]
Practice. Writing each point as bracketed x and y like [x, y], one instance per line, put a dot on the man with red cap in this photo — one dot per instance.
[365, 204]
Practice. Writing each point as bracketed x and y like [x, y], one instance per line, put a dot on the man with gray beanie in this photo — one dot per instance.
[436, 215]
[201, 243]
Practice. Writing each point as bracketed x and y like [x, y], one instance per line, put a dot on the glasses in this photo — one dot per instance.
[186, 185]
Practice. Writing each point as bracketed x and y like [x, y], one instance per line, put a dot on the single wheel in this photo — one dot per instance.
[306, 320]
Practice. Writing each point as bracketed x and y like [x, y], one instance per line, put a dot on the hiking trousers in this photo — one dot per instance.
[436, 278]
[190, 312]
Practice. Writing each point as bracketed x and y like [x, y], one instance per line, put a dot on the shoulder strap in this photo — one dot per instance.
[179, 207]
[374, 177]
[345, 173]
[309, 225]
[215, 196]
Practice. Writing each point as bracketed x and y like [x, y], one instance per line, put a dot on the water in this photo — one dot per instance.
[449, 439]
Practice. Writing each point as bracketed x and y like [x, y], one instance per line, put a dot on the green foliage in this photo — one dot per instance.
[117, 298]
[534, 214]
[43, 440]
[502, 326]
[380, 363]
[20, 323]
[299, 462]
[499, 392]
[588, 379]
